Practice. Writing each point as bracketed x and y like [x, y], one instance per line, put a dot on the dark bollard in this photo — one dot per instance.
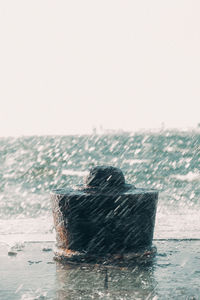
[105, 218]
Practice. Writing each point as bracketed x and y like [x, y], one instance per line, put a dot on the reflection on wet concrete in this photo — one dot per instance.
[105, 282]
[172, 274]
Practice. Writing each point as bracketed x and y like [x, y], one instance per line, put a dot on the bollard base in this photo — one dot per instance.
[122, 260]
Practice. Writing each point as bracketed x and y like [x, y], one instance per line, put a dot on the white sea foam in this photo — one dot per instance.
[27, 229]
[136, 161]
[190, 176]
[172, 225]
[74, 173]
[169, 149]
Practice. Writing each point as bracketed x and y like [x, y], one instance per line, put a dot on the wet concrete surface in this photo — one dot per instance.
[28, 271]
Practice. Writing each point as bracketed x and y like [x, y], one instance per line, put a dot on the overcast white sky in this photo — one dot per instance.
[66, 66]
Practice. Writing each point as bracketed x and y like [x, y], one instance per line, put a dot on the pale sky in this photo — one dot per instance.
[66, 66]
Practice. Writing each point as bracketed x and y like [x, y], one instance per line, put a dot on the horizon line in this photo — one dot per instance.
[104, 131]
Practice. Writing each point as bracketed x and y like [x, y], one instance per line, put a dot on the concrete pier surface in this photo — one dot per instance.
[28, 271]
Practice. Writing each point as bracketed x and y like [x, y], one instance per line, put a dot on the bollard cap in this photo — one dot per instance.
[105, 178]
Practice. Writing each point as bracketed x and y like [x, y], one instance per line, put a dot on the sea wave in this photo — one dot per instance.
[190, 176]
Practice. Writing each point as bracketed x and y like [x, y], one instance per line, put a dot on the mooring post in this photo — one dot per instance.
[106, 216]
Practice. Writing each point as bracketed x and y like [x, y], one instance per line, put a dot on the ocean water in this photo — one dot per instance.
[30, 167]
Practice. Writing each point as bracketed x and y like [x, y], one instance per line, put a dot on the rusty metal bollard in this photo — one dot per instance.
[106, 217]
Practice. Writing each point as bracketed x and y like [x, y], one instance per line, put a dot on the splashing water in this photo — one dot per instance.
[31, 166]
